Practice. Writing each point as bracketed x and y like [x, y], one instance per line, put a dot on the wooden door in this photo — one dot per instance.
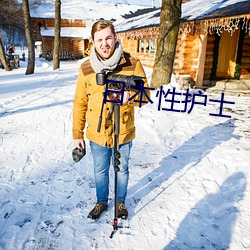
[227, 55]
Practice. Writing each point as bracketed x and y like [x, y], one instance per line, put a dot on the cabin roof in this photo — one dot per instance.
[140, 21]
[193, 10]
[77, 32]
[208, 9]
[84, 10]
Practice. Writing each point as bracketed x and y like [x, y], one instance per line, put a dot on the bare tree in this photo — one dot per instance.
[56, 59]
[11, 24]
[28, 33]
[11, 16]
[168, 34]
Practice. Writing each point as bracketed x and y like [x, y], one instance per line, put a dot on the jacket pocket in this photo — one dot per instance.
[126, 119]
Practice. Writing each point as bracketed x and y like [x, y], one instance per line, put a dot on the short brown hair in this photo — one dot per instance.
[101, 24]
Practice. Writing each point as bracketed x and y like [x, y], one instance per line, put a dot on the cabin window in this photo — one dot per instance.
[141, 45]
[146, 45]
[152, 45]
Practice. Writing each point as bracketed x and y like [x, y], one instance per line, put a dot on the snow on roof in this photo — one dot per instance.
[192, 10]
[197, 9]
[85, 10]
[145, 20]
[80, 32]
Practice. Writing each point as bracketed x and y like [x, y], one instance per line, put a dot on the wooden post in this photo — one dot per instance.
[149, 45]
[144, 45]
[201, 60]
[140, 40]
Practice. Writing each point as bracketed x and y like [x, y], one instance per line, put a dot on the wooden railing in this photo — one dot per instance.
[64, 55]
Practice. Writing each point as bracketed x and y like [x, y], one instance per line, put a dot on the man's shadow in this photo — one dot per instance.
[210, 223]
[190, 153]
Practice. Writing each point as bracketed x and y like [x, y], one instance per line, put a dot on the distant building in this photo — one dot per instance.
[74, 36]
[77, 19]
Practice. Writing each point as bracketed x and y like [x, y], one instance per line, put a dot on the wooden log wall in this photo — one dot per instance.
[146, 59]
[178, 61]
[66, 44]
[131, 46]
[186, 55]
[245, 60]
[190, 56]
[50, 22]
[79, 46]
[73, 45]
[47, 45]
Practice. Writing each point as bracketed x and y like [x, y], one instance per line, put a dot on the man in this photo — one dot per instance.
[107, 54]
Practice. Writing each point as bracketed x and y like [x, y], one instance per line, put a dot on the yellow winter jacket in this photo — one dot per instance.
[88, 102]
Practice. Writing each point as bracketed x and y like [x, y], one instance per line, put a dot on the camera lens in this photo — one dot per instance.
[115, 96]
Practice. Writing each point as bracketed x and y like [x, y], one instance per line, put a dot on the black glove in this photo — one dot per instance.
[78, 153]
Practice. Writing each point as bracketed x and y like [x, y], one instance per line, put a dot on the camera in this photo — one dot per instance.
[116, 81]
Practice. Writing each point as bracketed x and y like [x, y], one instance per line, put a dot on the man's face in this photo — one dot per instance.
[104, 42]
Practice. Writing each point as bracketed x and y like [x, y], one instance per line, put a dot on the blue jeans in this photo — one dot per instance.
[102, 158]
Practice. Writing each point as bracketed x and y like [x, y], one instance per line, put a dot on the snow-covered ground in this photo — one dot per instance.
[189, 173]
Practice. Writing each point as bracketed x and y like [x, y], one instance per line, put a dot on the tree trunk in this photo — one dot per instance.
[56, 59]
[28, 33]
[3, 57]
[168, 34]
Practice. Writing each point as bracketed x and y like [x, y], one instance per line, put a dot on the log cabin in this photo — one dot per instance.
[213, 41]
[74, 41]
